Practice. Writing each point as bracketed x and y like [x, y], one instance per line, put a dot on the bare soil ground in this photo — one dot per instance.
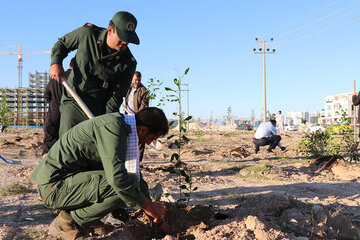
[241, 195]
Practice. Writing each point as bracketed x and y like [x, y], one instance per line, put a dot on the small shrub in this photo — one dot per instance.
[15, 188]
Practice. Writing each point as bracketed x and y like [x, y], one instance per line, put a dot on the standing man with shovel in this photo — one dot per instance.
[102, 70]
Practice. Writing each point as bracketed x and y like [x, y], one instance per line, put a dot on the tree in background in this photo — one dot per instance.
[252, 117]
[211, 118]
[228, 116]
[154, 89]
[4, 112]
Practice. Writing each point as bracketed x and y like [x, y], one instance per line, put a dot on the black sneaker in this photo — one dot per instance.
[269, 151]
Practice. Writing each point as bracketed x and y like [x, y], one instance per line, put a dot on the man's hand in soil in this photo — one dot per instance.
[155, 210]
[56, 72]
[166, 228]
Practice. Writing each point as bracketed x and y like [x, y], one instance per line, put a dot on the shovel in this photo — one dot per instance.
[77, 98]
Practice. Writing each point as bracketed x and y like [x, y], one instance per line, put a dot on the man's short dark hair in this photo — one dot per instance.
[137, 73]
[153, 118]
[71, 64]
[273, 121]
[112, 25]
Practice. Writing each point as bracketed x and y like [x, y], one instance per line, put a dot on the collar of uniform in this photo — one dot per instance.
[102, 38]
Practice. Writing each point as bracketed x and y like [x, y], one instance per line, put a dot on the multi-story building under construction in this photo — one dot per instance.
[28, 105]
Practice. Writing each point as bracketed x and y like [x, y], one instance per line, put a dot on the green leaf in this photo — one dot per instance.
[178, 164]
[186, 71]
[169, 89]
[188, 118]
[171, 123]
[183, 187]
[171, 171]
[171, 136]
[177, 143]
[185, 138]
[183, 173]
[174, 156]
[195, 188]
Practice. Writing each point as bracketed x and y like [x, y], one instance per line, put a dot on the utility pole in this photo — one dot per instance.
[187, 101]
[263, 50]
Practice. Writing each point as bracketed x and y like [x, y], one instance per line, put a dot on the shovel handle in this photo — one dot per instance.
[77, 98]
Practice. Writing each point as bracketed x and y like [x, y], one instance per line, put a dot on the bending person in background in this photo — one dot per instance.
[52, 94]
[266, 135]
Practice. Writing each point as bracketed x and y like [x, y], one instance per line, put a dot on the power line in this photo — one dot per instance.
[319, 19]
[323, 30]
[341, 16]
[300, 18]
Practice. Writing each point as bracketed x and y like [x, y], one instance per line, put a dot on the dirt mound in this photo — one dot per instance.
[265, 217]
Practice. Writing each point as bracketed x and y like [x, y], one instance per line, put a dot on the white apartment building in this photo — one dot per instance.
[334, 104]
[296, 118]
[315, 117]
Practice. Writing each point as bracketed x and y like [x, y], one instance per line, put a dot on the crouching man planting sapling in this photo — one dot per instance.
[93, 169]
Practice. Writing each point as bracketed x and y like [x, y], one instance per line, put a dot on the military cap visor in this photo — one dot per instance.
[125, 24]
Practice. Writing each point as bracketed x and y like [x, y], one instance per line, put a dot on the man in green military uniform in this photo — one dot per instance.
[86, 173]
[102, 70]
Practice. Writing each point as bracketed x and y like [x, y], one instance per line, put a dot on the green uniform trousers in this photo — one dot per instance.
[71, 114]
[87, 196]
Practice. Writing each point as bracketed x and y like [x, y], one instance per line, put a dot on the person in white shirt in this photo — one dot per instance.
[280, 121]
[266, 135]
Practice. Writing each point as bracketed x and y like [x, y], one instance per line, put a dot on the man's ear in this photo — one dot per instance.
[110, 29]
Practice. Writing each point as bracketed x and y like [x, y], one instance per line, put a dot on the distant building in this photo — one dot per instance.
[28, 105]
[334, 104]
[315, 117]
[296, 118]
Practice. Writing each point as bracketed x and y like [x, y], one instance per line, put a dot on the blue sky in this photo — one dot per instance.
[316, 44]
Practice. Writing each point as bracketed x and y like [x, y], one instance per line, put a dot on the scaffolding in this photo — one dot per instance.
[31, 109]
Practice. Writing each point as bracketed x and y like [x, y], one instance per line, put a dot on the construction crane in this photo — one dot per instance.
[20, 68]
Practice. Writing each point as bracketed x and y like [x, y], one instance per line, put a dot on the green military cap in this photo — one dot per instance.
[125, 24]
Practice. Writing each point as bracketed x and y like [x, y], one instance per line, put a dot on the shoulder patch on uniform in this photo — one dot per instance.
[90, 25]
